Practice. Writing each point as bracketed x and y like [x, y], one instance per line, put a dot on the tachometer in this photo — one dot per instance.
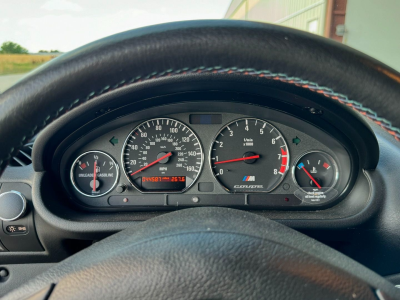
[162, 155]
[249, 155]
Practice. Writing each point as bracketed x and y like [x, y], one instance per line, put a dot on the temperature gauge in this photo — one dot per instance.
[94, 173]
[316, 174]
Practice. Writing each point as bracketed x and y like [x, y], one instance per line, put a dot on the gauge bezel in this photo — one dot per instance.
[315, 151]
[162, 191]
[73, 179]
[248, 192]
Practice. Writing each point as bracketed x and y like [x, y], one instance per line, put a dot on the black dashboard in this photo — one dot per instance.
[192, 156]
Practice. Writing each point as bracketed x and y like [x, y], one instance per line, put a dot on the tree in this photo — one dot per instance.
[12, 48]
[47, 51]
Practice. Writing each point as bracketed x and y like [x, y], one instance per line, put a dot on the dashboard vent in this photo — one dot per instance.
[23, 157]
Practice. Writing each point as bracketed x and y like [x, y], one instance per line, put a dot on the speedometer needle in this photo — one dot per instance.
[309, 175]
[153, 163]
[237, 159]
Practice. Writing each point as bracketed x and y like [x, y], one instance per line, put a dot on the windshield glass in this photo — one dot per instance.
[35, 31]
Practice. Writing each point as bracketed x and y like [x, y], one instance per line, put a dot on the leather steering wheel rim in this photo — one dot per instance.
[188, 49]
[266, 51]
[209, 253]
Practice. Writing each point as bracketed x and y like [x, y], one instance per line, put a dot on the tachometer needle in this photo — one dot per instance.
[309, 175]
[153, 163]
[237, 159]
[94, 175]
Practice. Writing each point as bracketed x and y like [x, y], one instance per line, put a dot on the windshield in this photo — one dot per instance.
[35, 31]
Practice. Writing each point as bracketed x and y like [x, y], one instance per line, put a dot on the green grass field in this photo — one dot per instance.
[21, 63]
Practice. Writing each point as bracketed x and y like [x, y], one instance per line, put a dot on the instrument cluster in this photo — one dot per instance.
[207, 158]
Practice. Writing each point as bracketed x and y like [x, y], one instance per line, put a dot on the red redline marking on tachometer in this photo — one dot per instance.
[236, 159]
[153, 163]
[284, 161]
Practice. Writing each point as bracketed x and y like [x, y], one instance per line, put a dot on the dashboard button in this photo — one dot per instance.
[120, 188]
[12, 206]
[16, 229]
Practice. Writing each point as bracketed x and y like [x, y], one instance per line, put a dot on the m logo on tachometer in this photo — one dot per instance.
[249, 178]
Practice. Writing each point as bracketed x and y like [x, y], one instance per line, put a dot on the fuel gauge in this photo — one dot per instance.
[94, 173]
[316, 174]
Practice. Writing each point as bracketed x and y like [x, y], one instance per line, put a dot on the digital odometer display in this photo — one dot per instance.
[249, 155]
[162, 155]
[164, 183]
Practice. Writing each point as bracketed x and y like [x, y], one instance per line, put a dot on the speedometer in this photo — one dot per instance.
[162, 155]
[249, 155]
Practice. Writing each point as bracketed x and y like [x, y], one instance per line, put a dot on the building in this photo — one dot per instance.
[322, 17]
[370, 26]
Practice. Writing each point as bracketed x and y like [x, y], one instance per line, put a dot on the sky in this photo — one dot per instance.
[67, 24]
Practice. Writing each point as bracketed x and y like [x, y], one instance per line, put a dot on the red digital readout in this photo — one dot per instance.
[164, 179]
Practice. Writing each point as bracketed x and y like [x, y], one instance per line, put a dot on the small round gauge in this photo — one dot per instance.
[162, 155]
[249, 155]
[316, 174]
[94, 173]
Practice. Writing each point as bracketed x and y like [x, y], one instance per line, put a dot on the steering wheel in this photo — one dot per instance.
[216, 253]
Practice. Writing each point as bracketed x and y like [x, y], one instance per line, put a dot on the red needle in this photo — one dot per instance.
[312, 178]
[236, 159]
[94, 175]
[153, 163]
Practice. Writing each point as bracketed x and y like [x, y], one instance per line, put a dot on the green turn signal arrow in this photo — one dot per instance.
[296, 140]
[114, 141]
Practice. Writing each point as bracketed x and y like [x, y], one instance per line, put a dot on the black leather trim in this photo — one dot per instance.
[135, 55]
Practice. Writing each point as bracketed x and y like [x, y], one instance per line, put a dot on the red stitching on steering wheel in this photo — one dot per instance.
[327, 92]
